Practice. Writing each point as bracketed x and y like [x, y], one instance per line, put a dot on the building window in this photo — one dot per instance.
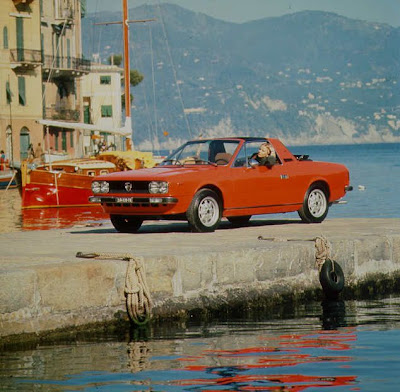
[56, 135]
[71, 139]
[64, 141]
[21, 91]
[20, 38]
[5, 37]
[105, 79]
[106, 110]
[8, 93]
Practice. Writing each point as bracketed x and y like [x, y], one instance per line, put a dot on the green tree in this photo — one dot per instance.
[123, 100]
[136, 77]
[115, 59]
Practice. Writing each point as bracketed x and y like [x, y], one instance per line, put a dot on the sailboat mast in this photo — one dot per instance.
[125, 29]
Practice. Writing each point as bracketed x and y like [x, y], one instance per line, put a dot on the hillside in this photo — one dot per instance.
[309, 77]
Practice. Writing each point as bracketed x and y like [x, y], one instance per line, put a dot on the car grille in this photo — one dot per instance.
[137, 187]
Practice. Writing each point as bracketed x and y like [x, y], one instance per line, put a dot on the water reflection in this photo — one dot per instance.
[270, 353]
[333, 314]
[58, 218]
[12, 218]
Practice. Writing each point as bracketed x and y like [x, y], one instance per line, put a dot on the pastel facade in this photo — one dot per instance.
[40, 69]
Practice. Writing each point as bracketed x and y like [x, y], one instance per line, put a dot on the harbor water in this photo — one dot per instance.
[328, 345]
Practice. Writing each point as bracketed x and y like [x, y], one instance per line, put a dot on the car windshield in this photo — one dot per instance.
[203, 152]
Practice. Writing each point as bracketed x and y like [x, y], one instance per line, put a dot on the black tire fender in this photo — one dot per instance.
[331, 278]
[126, 224]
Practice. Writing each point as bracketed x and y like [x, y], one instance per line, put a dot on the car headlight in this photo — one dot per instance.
[104, 187]
[158, 187]
[100, 187]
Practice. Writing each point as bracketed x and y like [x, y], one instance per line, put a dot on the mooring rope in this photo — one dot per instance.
[137, 293]
[322, 251]
[322, 247]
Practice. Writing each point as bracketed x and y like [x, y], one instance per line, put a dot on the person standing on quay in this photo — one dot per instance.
[39, 152]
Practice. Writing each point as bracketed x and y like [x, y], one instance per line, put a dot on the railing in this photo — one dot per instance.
[17, 2]
[27, 56]
[36, 57]
[60, 113]
[66, 63]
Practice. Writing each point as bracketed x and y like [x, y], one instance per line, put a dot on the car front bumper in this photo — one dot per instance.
[118, 201]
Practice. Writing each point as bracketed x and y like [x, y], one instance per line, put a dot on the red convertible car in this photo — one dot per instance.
[207, 179]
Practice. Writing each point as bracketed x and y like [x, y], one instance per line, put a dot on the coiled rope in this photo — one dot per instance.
[322, 247]
[137, 293]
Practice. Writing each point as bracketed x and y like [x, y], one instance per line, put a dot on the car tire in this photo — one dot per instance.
[331, 278]
[126, 224]
[239, 220]
[205, 211]
[315, 205]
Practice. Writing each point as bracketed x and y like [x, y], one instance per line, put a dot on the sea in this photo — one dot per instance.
[341, 345]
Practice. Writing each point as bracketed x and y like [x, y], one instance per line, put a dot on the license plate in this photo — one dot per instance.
[124, 199]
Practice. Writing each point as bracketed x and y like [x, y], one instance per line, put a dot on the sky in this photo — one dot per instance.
[239, 11]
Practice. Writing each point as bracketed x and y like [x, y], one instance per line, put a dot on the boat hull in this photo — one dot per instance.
[48, 189]
[8, 179]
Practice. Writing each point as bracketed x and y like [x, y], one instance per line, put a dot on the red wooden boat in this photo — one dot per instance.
[61, 184]
[68, 183]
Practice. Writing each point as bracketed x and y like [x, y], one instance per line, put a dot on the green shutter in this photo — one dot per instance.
[106, 111]
[8, 92]
[42, 46]
[57, 48]
[20, 38]
[86, 114]
[105, 79]
[21, 91]
[5, 37]
[56, 140]
[71, 139]
[68, 53]
[64, 141]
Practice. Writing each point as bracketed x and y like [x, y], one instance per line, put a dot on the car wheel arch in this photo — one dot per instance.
[323, 185]
[215, 189]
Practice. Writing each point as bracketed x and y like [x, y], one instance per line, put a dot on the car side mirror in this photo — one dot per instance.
[253, 163]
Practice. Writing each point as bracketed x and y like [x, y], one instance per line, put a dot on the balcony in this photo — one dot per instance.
[69, 67]
[18, 2]
[25, 58]
[61, 113]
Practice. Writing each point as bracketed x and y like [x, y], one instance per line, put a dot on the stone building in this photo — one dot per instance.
[40, 69]
[20, 77]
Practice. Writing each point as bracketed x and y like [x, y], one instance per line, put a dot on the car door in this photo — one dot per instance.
[259, 186]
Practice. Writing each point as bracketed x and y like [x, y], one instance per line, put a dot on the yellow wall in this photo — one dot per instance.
[16, 115]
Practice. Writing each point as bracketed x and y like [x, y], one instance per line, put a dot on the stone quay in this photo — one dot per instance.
[44, 287]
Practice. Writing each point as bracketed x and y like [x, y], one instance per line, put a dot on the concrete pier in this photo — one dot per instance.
[45, 287]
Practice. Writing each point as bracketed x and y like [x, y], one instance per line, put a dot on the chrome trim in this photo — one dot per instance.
[339, 202]
[131, 200]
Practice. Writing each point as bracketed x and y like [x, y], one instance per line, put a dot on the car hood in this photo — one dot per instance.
[155, 173]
